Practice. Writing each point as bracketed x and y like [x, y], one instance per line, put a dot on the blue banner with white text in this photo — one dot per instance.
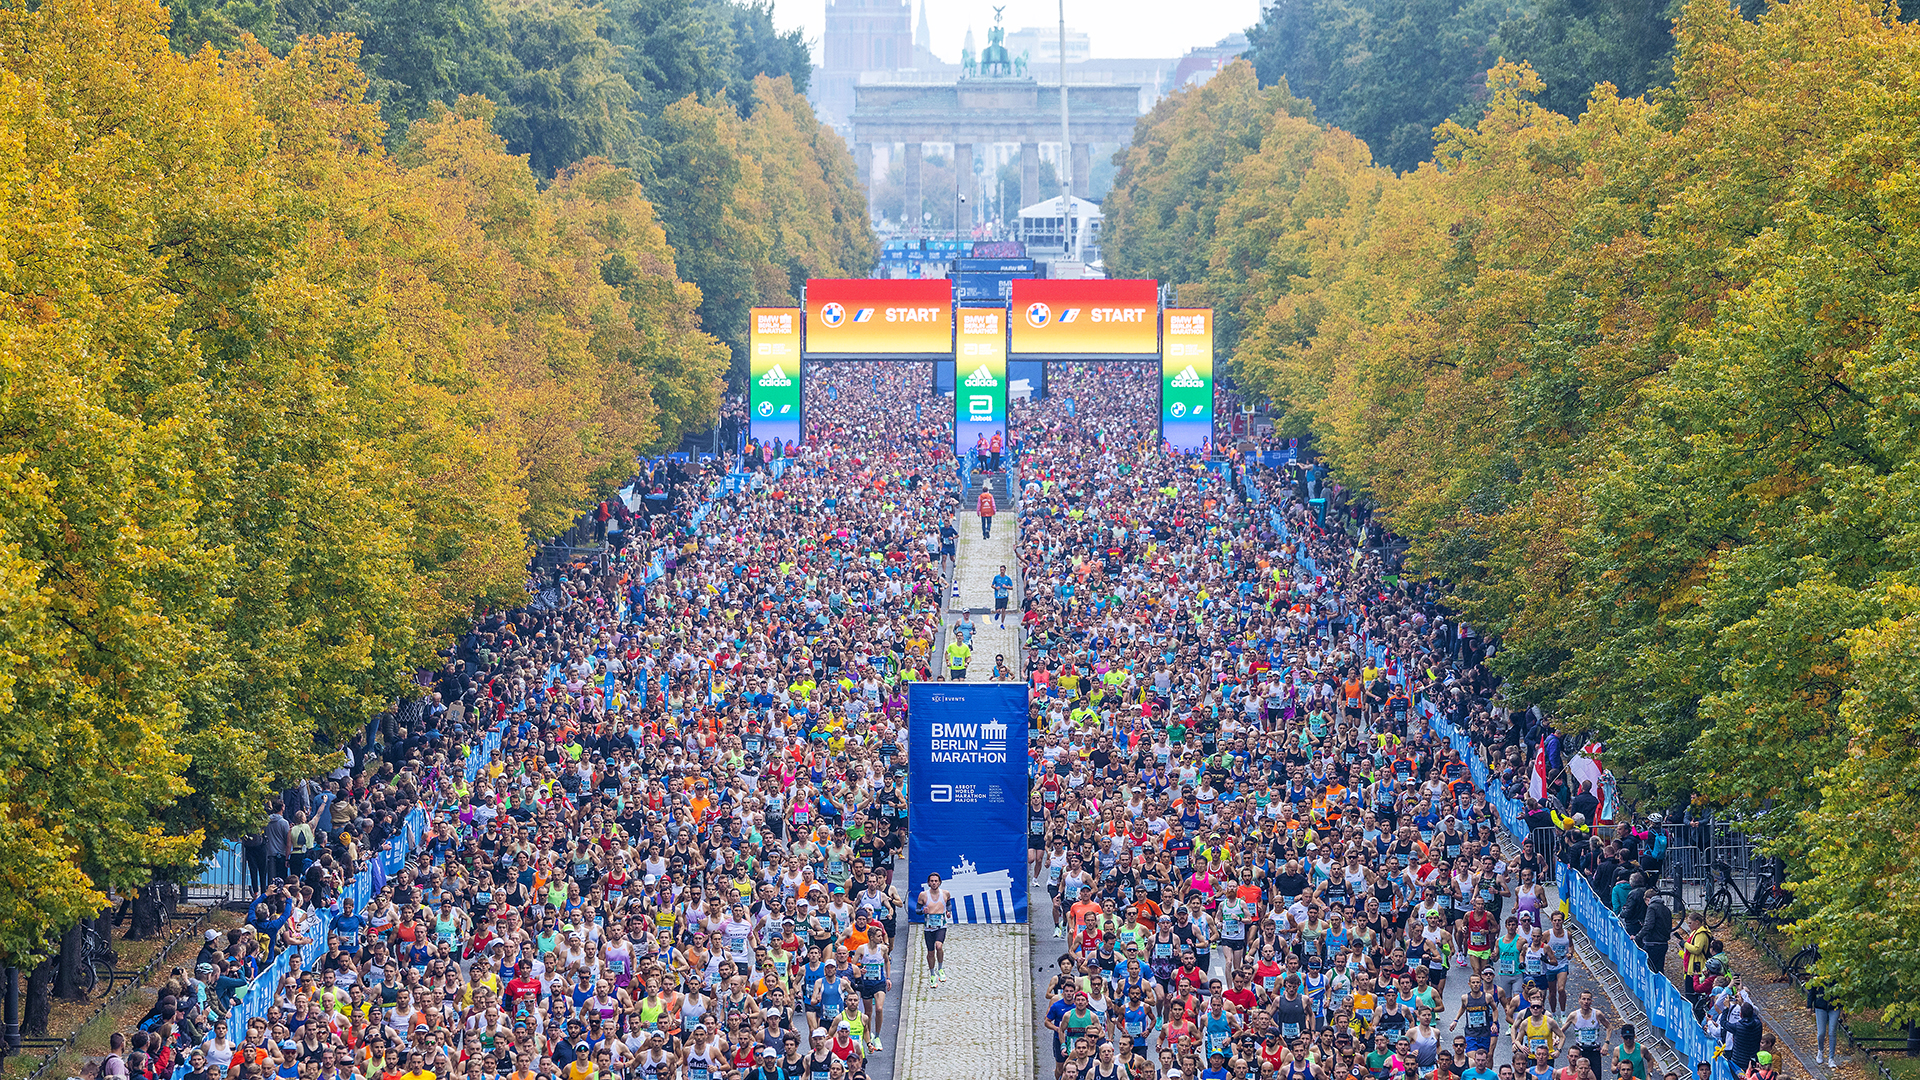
[967, 780]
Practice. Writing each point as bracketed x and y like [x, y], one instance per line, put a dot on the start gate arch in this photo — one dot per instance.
[883, 319]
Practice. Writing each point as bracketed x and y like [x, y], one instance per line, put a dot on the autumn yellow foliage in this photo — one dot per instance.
[277, 410]
[1640, 384]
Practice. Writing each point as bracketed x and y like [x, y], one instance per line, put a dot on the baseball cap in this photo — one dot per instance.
[1765, 1058]
[819, 1033]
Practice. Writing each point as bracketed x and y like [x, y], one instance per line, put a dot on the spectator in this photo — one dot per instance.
[1743, 1030]
[1656, 932]
[1826, 1025]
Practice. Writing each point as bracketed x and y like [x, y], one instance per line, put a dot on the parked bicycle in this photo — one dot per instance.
[1800, 966]
[97, 960]
[1768, 902]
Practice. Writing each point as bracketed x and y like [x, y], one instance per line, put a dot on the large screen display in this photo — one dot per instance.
[1073, 319]
[980, 373]
[878, 318]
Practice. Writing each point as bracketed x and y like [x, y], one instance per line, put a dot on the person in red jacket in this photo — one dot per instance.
[987, 510]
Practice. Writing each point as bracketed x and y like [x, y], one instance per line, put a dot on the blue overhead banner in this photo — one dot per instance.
[967, 781]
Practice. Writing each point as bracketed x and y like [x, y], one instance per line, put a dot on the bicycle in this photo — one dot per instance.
[1800, 968]
[96, 957]
[1766, 903]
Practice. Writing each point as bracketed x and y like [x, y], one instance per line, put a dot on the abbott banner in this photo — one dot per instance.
[1068, 319]
[1186, 380]
[967, 779]
[773, 374]
[980, 374]
[879, 318]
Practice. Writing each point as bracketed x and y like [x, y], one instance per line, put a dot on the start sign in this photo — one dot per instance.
[879, 318]
[1084, 319]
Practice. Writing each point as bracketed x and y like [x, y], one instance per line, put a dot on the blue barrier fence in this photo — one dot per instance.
[1664, 1004]
[413, 836]
[1666, 1007]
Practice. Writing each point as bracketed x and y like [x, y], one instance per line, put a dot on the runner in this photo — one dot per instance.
[870, 961]
[1002, 593]
[936, 904]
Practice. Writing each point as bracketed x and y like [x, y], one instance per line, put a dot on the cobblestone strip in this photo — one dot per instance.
[978, 1024]
[977, 560]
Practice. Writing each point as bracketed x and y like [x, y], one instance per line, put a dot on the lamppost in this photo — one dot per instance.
[1066, 142]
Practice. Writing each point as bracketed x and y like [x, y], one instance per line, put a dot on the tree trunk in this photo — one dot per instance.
[33, 1024]
[66, 977]
[145, 924]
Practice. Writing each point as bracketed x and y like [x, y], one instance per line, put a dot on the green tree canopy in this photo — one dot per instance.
[1639, 385]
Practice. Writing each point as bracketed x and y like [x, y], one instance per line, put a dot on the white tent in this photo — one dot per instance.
[1045, 225]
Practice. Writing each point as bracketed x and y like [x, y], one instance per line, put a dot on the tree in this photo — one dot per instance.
[281, 410]
[1006, 188]
[422, 53]
[761, 50]
[1388, 72]
[567, 103]
[1637, 384]
[1577, 44]
[754, 206]
[1179, 170]
[894, 198]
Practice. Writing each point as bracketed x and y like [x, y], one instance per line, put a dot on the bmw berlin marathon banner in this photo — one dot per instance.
[967, 778]
[980, 397]
[773, 383]
[1186, 380]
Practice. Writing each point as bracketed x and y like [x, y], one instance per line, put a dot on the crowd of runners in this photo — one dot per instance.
[680, 863]
[678, 866]
[1259, 860]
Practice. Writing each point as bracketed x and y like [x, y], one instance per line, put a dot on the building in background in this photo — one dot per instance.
[1041, 44]
[862, 37]
[883, 87]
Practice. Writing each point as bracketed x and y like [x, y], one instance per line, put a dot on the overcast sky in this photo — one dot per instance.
[1115, 28]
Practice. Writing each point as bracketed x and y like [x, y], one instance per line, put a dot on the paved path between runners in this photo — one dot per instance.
[977, 561]
[976, 1025]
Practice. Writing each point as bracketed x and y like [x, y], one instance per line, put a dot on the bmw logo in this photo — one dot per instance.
[1039, 315]
[1179, 409]
[833, 314]
[766, 408]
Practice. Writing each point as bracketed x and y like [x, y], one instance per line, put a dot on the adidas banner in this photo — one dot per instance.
[773, 382]
[1186, 379]
[967, 783]
[980, 374]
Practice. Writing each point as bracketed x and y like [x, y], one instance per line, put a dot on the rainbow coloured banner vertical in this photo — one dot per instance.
[773, 374]
[1186, 379]
[980, 379]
